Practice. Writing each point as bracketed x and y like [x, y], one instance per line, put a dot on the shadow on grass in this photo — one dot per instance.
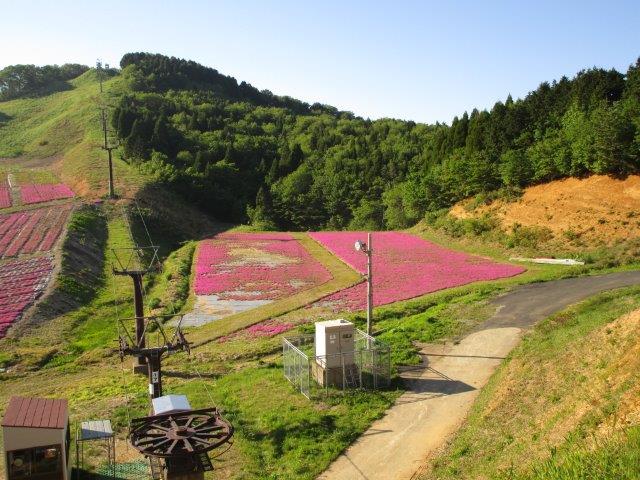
[189, 375]
[277, 437]
[42, 91]
[4, 118]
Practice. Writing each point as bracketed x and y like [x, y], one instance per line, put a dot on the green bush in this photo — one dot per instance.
[528, 237]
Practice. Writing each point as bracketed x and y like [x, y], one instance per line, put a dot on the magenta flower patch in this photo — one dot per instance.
[255, 266]
[5, 197]
[31, 231]
[22, 281]
[44, 193]
[405, 266]
[268, 328]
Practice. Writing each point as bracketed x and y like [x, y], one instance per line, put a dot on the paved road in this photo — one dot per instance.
[523, 306]
[442, 390]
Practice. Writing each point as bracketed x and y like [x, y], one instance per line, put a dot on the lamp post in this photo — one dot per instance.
[361, 246]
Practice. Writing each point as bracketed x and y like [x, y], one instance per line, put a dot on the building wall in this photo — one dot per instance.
[17, 438]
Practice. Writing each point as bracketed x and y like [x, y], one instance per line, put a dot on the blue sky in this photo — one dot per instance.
[420, 60]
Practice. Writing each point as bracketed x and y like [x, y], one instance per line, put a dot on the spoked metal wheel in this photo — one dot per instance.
[184, 433]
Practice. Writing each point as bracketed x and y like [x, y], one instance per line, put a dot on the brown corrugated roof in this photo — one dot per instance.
[36, 413]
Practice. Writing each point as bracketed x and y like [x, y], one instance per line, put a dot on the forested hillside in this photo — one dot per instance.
[245, 154]
[26, 80]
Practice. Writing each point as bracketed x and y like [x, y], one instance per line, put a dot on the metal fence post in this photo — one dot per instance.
[360, 369]
[375, 369]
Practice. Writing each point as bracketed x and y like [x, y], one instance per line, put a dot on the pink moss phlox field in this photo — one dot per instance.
[5, 197]
[405, 266]
[44, 193]
[21, 283]
[268, 328]
[255, 266]
[31, 231]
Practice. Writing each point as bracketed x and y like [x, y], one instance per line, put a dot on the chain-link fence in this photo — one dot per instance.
[368, 366]
[296, 362]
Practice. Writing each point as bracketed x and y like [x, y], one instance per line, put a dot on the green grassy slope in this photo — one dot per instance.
[66, 126]
[564, 405]
[280, 434]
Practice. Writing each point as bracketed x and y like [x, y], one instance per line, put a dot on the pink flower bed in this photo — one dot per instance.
[44, 193]
[267, 328]
[255, 266]
[405, 266]
[21, 283]
[5, 197]
[32, 231]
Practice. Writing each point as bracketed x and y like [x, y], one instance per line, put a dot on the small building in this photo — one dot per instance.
[337, 356]
[37, 439]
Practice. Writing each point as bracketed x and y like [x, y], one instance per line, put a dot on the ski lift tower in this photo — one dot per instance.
[175, 438]
[136, 262]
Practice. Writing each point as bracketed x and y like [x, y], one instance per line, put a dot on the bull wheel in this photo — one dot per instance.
[178, 434]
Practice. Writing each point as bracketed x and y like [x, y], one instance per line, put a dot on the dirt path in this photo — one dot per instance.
[442, 390]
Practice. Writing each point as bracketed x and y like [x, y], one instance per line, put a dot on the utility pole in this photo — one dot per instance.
[109, 149]
[106, 146]
[99, 72]
[366, 248]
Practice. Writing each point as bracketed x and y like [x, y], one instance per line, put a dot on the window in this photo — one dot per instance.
[35, 461]
[46, 459]
[19, 464]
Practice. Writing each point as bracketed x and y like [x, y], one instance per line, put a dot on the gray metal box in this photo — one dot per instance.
[334, 342]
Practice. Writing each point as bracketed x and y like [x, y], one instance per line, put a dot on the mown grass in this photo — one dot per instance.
[66, 126]
[169, 291]
[617, 458]
[546, 411]
[22, 176]
[86, 229]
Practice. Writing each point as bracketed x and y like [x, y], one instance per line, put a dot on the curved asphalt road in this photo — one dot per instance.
[442, 390]
[526, 305]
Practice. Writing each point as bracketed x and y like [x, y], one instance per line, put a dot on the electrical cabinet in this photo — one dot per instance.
[335, 343]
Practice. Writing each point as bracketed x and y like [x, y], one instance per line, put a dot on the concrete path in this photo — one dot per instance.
[441, 391]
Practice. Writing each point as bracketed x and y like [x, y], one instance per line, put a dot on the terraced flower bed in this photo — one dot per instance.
[5, 197]
[255, 266]
[405, 266]
[32, 193]
[238, 271]
[21, 283]
[31, 231]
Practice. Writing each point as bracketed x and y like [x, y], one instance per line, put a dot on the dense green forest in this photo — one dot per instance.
[18, 81]
[245, 154]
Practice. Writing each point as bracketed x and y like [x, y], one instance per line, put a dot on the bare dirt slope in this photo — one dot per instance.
[441, 392]
[597, 209]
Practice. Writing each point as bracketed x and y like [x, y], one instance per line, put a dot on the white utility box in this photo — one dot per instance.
[335, 343]
[170, 404]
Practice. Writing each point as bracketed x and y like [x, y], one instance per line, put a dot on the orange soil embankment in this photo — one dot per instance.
[598, 208]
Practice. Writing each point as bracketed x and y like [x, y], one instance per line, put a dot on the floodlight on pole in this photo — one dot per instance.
[365, 248]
